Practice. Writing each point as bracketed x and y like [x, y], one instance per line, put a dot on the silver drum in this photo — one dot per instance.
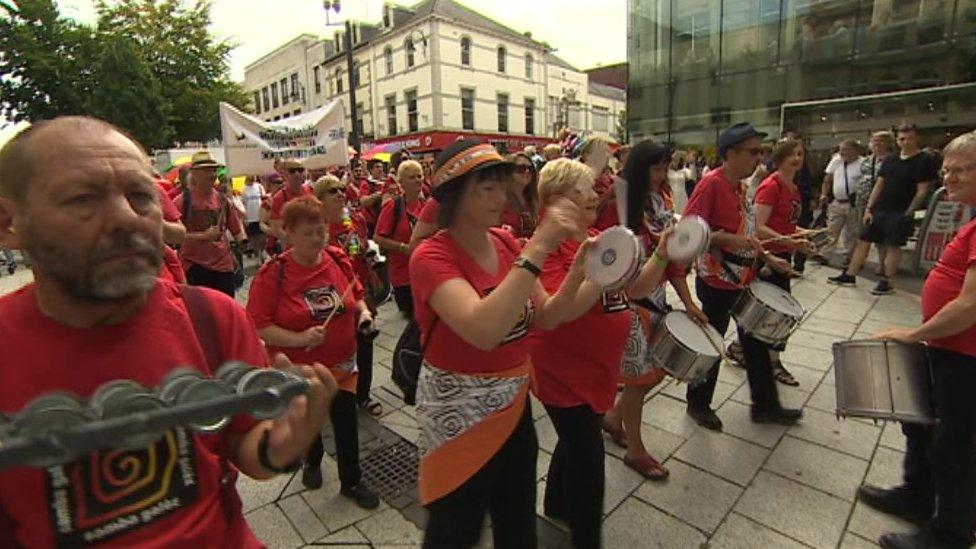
[883, 379]
[684, 348]
[767, 312]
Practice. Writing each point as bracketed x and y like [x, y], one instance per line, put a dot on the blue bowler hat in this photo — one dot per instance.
[735, 134]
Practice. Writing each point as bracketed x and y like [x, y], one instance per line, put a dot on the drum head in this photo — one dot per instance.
[702, 339]
[613, 258]
[690, 239]
[777, 298]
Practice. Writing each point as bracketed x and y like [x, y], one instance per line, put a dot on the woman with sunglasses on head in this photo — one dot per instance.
[477, 296]
[646, 168]
[522, 211]
[293, 174]
[394, 227]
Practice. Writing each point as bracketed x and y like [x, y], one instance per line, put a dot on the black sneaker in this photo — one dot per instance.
[883, 288]
[925, 538]
[312, 476]
[364, 497]
[843, 279]
[899, 501]
[779, 416]
[706, 418]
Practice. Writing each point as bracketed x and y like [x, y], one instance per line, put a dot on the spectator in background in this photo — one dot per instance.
[373, 192]
[293, 174]
[838, 193]
[272, 184]
[595, 153]
[521, 213]
[394, 227]
[676, 181]
[252, 197]
[621, 155]
[551, 151]
[881, 145]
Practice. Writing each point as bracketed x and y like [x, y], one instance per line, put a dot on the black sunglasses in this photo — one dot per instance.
[335, 190]
[296, 170]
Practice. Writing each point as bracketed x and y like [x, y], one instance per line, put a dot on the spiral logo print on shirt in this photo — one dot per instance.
[614, 302]
[322, 301]
[449, 404]
[111, 492]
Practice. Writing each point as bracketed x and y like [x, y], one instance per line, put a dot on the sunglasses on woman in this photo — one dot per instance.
[296, 170]
[335, 190]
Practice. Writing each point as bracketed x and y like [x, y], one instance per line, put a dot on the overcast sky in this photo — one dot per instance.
[584, 32]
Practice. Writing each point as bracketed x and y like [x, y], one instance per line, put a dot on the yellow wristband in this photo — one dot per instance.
[658, 259]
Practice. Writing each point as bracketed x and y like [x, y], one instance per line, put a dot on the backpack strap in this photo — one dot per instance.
[204, 325]
[399, 204]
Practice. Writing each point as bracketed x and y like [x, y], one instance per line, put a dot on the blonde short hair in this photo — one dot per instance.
[552, 149]
[592, 143]
[408, 166]
[323, 183]
[559, 177]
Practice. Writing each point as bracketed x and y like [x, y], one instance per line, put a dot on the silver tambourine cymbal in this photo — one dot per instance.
[614, 259]
[689, 240]
[122, 398]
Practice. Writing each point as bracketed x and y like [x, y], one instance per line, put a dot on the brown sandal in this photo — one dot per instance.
[616, 433]
[648, 467]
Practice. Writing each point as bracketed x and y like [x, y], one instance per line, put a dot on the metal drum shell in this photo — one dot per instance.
[762, 321]
[883, 379]
[676, 358]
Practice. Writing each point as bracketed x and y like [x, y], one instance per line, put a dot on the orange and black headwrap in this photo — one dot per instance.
[462, 158]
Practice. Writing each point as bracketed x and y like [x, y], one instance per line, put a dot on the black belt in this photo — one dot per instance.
[839, 201]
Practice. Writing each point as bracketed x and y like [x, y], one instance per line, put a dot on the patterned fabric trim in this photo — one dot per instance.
[449, 404]
[348, 365]
[636, 360]
[465, 161]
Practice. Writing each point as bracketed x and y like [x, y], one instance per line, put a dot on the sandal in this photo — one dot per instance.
[735, 355]
[616, 433]
[648, 467]
[372, 407]
[782, 376]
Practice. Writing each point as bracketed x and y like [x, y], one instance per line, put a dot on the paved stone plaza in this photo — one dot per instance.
[751, 486]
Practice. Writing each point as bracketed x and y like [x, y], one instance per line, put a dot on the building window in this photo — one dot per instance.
[529, 116]
[359, 118]
[388, 57]
[411, 99]
[409, 48]
[528, 66]
[297, 112]
[264, 97]
[502, 100]
[257, 102]
[274, 95]
[391, 119]
[295, 88]
[467, 108]
[575, 117]
[466, 51]
[338, 80]
[284, 91]
[601, 119]
[317, 76]
[501, 58]
[355, 75]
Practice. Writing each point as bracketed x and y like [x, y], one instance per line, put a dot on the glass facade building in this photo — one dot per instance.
[829, 68]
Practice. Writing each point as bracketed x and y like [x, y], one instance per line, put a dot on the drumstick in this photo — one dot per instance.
[334, 310]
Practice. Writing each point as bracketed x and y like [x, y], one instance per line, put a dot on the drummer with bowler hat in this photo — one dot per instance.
[726, 270]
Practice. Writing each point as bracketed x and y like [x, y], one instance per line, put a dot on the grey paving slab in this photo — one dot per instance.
[818, 467]
[842, 312]
[886, 467]
[737, 422]
[723, 391]
[807, 377]
[258, 493]
[907, 315]
[637, 524]
[389, 528]
[335, 511]
[850, 437]
[621, 481]
[830, 327]
[790, 397]
[812, 340]
[739, 532]
[660, 443]
[813, 358]
[870, 524]
[872, 326]
[542, 464]
[302, 518]
[798, 511]
[726, 456]
[892, 437]
[694, 496]
[403, 425]
[546, 434]
[271, 527]
[852, 541]
[669, 414]
[733, 375]
[824, 398]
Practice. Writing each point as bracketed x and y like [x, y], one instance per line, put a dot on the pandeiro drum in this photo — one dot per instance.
[615, 258]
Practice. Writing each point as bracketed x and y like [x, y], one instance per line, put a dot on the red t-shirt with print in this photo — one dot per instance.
[439, 259]
[296, 297]
[775, 192]
[209, 211]
[398, 261]
[166, 496]
[341, 236]
[716, 200]
[283, 196]
[579, 361]
[944, 283]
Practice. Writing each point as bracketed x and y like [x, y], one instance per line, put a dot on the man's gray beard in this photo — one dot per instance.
[81, 282]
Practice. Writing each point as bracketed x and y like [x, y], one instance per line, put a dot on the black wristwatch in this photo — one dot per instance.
[263, 457]
[527, 265]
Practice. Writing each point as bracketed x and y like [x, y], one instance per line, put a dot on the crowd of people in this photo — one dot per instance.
[486, 255]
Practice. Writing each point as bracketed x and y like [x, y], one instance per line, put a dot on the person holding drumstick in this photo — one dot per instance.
[476, 297]
[308, 304]
[647, 167]
[778, 206]
[949, 328]
[729, 266]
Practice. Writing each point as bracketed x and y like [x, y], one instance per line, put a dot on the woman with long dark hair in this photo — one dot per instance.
[522, 212]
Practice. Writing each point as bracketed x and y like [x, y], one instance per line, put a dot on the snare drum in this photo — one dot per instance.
[883, 379]
[820, 239]
[684, 348]
[767, 312]
[690, 239]
[614, 259]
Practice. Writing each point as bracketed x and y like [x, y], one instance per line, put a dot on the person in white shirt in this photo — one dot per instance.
[838, 193]
[254, 194]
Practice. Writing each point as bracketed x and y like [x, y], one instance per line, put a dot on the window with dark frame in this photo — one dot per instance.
[529, 61]
[502, 53]
[466, 51]
[529, 115]
[257, 102]
[295, 88]
[388, 57]
[411, 99]
[274, 95]
[338, 80]
[284, 91]
[502, 100]
[391, 115]
[317, 76]
[266, 101]
[409, 49]
[467, 108]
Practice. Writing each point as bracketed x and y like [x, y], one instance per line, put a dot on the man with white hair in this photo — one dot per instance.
[947, 484]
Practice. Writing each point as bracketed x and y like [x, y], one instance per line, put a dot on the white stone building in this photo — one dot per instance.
[431, 72]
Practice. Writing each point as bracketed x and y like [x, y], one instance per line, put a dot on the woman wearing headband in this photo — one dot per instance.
[476, 297]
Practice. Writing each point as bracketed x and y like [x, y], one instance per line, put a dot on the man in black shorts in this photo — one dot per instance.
[903, 183]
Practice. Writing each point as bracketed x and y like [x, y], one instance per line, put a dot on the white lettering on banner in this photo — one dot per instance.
[947, 217]
[251, 145]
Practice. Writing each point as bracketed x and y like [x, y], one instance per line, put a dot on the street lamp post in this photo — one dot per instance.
[355, 137]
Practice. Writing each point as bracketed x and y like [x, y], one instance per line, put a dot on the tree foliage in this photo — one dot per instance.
[150, 66]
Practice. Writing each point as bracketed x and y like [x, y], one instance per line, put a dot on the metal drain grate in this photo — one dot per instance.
[391, 469]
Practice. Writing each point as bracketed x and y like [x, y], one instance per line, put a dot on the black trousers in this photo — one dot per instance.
[404, 300]
[575, 482]
[717, 303]
[504, 487]
[217, 280]
[364, 363]
[917, 465]
[805, 221]
[346, 432]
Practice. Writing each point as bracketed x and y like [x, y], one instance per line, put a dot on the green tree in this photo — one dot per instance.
[620, 128]
[190, 64]
[44, 61]
[128, 95]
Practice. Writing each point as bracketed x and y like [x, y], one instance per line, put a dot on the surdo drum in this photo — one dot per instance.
[684, 348]
[615, 258]
[883, 379]
[767, 312]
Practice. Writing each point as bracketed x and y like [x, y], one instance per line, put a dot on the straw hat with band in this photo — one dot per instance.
[203, 159]
[462, 158]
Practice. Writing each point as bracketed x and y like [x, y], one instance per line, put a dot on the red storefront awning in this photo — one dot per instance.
[437, 141]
